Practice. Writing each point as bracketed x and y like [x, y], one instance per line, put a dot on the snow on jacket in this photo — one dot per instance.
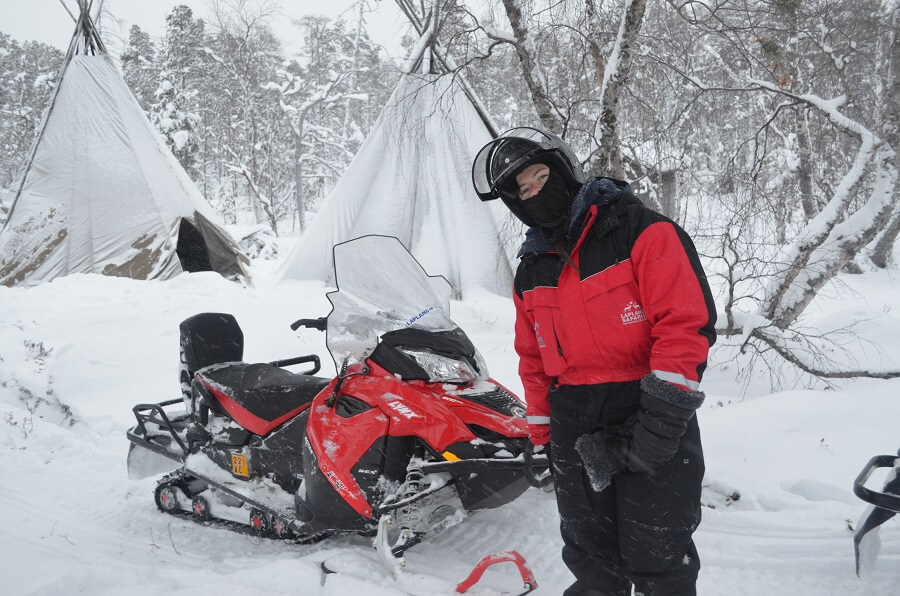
[633, 300]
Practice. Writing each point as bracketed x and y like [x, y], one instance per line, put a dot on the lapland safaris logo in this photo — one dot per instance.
[633, 313]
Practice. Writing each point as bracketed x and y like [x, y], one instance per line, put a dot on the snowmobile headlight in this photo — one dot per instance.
[441, 369]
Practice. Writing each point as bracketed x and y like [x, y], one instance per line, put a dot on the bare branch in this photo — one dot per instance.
[775, 344]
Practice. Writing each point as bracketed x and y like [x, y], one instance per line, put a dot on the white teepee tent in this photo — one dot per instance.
[101, 193]
[411, 179]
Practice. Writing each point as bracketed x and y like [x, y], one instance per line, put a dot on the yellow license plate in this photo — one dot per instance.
[239, 465]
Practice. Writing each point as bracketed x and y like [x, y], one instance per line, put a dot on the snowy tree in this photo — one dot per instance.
[832, 64]
[763, 126]
[245, 140]
[315, 100]
[172, 116]
[139, 66]
[890, 131]
[28, 74]
[176, 104]
[210, 87]
[570, 61]
[370, 74]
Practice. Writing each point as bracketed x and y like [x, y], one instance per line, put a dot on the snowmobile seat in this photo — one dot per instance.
[209, 338]
[260, 396]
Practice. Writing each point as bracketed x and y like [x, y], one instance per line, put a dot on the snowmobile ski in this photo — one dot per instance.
[503, 557]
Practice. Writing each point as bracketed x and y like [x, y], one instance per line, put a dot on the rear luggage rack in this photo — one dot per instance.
[158, 443]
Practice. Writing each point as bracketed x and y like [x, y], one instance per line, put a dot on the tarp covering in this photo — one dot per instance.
[411, 179]
[103, 194]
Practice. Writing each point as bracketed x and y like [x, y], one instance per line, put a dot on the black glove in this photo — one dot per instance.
[645, 441]
[661, 421]
[604, 453]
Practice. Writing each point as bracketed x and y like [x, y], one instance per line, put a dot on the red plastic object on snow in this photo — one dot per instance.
[511, 556]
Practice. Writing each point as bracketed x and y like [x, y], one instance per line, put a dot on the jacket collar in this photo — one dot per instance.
[599, 191]
[596, 192]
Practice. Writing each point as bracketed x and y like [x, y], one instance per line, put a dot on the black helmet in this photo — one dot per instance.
[497, 164]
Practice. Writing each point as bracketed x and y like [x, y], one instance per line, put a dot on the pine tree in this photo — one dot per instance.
[175, 109]
[139, 66]
[27, 78]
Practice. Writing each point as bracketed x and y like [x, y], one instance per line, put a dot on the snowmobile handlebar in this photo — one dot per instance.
[310, 323]
[884, 500]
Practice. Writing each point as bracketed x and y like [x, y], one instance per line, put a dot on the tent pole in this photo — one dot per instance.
[417, 55]
[407, 10]
[449, 66]
[63, 2]
[95, 30]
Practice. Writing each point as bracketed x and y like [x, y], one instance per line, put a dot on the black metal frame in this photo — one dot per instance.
[887, 501]
[156, 414]
[317, 364]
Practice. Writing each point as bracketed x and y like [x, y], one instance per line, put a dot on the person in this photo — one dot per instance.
[614, 321]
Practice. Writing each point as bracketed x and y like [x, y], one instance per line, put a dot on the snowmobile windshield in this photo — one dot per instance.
[383, 288]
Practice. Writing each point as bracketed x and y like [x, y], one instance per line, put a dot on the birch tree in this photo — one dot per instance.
[891, 133]
[775, 112]
[296, 107]
[316, 101]
[854, 109]
[244, 54]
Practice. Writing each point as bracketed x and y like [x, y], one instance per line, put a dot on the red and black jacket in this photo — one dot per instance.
[632, 300]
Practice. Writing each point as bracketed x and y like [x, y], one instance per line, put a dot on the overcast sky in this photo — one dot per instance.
[48, 21]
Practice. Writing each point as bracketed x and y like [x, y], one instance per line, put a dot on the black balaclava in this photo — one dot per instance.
[549, 208]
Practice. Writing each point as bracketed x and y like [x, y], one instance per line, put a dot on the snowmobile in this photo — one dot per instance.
[883, 506]
[407, 438]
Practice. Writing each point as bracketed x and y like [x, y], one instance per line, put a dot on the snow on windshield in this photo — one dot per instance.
[381, 287]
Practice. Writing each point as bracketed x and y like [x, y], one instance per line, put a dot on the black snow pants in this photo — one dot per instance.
[638, 530]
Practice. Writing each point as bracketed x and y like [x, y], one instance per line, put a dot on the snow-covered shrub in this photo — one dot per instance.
[259, 243]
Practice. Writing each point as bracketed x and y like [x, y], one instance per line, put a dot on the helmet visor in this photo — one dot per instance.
[505, 155]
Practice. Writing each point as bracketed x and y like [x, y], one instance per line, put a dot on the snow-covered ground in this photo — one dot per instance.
[77, 353]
